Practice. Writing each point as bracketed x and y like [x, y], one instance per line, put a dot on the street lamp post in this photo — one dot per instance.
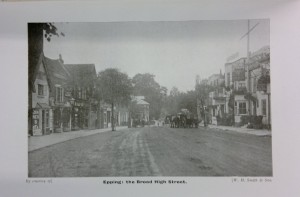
[72, 101]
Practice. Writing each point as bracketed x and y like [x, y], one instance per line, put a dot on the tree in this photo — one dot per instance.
[177, 101]
[171, 103]
[188, 101]
[115, 88]
[145, 85]
[36, 32]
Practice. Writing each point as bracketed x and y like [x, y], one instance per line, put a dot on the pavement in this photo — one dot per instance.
[37, 142]
[258, 132]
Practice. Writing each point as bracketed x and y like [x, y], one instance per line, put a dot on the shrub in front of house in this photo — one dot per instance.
[226, 120]
[252, 122]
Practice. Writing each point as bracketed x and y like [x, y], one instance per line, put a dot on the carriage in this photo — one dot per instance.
[182, 120]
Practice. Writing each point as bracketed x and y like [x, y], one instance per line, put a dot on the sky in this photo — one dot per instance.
[175, 52]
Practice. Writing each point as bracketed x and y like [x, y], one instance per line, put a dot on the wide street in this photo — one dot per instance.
[156, 151]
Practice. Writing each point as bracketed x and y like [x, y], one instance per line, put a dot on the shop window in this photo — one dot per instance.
[40, 90]
[79, 93]
[47, 118]
[264, 107]
[57, 118]
[242, 108]
[108, 117]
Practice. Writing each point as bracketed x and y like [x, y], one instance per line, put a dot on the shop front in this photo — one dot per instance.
[80, 115]
[62, 118]
[41, 116]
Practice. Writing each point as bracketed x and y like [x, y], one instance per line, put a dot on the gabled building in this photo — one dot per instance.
[143, 107]
[40, 112]
[85, 113]
[140, 109]
[59, 99]
[72, 95]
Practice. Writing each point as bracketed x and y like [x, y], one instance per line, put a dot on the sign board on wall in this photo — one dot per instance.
[36, 122]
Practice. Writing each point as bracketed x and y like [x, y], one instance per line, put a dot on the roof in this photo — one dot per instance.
[56, 71]
[139, 97]
[142, 102]
[83, 74]
[241, 60]
[34, 69]
[42, 106]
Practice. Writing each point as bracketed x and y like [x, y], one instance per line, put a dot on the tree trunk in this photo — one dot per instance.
[35, 48]
[112, 117]
[129, 120]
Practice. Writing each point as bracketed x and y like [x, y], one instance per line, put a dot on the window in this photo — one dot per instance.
[105, 117]
[40, 90]
[254, 85]
[59, 94]
[79, 93]
[228, 79]
[235, 108]
[264, 107]
[241, 86]
[242, 108]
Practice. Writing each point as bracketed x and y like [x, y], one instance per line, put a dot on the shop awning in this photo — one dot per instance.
[42, 106]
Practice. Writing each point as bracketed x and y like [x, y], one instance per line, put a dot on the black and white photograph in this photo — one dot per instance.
[149, 98]
[146, 99]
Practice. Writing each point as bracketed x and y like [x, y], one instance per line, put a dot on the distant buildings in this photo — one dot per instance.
[142, 108]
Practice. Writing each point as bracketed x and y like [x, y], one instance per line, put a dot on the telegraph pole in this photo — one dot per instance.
[248, 58]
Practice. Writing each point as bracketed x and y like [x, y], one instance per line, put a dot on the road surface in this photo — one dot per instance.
[155, 151]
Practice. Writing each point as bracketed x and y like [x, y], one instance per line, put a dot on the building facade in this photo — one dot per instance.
[216, 98]
[84, 105]
[63, 98]
[246, 95]
[59, 100]
[40, 122]
[259, 84]
[250, 92]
